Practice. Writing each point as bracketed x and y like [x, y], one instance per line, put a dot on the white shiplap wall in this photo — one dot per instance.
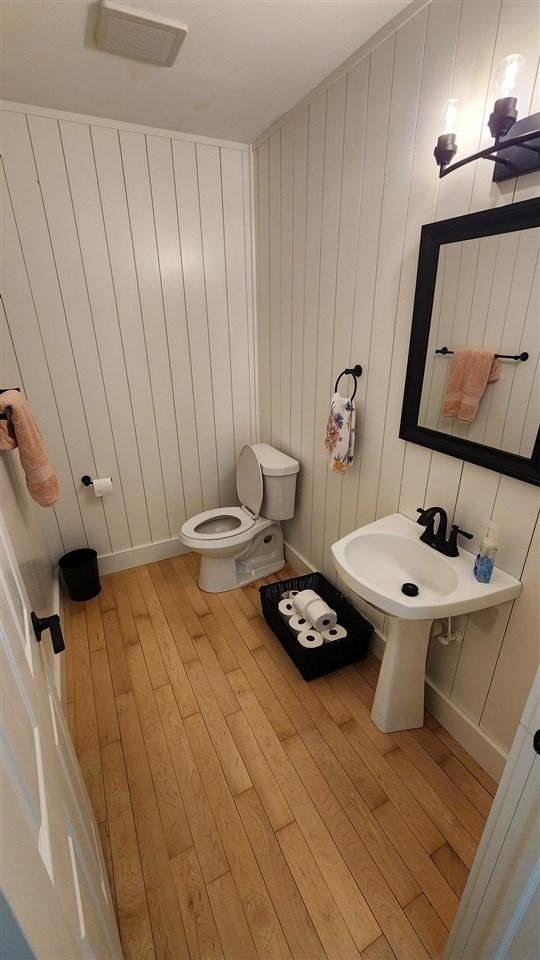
[343, 186]
[128, 310]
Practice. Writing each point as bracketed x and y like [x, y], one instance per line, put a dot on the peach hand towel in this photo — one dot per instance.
[21, 431]
[471, 369]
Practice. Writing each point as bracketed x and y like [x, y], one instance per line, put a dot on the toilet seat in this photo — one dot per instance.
[245, 522]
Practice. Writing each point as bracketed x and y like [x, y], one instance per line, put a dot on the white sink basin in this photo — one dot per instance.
[376, 560]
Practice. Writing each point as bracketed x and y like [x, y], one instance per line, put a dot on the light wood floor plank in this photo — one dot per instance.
[367, 785]
[259, 910]
[115, 650]
[430, 879]
[167, 928]
[394, 787]
[171, 808]
[123, 609]
[94, 625]
[107, 720]
[451, 867]
[340, 881]
[189, 616]
[195, 597]
[233, 766]
[264, 781]
[223, 652]
[173, 613]
[209, 848]
[199, 924]
[429, 926]
[436, 807]
[286, 696]
[398, 876]
[232, 925]
[380, 949]
[219, 683]
[327, 918]
[290, 908]
[368, 877]
[133, 916]
[472, 766]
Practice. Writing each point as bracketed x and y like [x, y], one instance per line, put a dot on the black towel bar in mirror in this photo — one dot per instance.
[501, 356]
[354, 372]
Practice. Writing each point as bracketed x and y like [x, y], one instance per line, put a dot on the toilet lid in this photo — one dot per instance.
[249, 481]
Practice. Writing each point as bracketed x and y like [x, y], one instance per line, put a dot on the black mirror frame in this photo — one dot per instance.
[515, 216]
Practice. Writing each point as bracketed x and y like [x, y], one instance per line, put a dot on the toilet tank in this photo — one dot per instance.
[279, 481]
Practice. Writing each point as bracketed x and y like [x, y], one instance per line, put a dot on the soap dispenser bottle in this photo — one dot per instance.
[485, 558]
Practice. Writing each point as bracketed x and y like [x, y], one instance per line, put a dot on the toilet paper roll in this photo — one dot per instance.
[286, 609]
[298, 624]
[322, 616]
[310, 639]
[293, 593]
[102, 486]
[334, 633]
[302, 599]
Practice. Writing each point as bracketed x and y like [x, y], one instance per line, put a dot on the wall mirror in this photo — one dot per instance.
[478, 286]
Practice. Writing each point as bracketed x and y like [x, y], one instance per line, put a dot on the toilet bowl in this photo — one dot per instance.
[240, 544]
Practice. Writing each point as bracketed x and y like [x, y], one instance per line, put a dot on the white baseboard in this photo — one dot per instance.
[480, 746]
[297, 561]
[136, 556]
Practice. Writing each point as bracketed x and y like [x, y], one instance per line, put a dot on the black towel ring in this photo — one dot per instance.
[354, 372]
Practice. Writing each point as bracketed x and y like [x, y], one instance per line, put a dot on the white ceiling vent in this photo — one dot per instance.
[142, 36]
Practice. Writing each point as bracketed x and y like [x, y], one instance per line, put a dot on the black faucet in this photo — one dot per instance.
[437, 538]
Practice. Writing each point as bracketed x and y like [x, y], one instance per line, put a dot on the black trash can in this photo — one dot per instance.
[80, 574]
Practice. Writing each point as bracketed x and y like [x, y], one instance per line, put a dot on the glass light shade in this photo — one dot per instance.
[508, 74]
[449, 116]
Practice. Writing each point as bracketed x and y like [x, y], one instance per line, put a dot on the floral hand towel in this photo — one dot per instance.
[340, 433]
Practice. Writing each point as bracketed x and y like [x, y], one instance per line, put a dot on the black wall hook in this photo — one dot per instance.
[355, 372]
[5, 416]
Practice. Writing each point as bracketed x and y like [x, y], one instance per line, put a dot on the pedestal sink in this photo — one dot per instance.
[375, 562]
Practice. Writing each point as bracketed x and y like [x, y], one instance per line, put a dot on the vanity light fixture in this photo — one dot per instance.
[521, 150]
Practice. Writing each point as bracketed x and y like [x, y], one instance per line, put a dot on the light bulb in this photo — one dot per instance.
[450, 115]
[508, 74]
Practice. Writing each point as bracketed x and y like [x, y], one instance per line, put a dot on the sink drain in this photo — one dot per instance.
[410, 589]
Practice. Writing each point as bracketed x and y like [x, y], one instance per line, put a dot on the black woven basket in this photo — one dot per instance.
[331, 656]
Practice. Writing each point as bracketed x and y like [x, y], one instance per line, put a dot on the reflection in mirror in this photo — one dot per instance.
[487, 295]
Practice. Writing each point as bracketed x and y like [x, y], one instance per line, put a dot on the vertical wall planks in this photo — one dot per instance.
[274, 198]
[351, 189]
[381, 66]
[128, 290]
[316, 147]
[47, 147]
[187, 192]
[81, 171]
[237, 293]
[172, 284]
[118, 229]
[162, 411]
[286, 271]
[384, 193]
[263, 291]
[331, 213]
[42, 275]
[211, 206]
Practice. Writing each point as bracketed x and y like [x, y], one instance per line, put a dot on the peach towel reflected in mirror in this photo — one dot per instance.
[471, 369]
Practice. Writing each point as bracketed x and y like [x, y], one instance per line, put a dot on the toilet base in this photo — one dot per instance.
[264, 556]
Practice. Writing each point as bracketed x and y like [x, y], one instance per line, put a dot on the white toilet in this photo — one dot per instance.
[241, 544]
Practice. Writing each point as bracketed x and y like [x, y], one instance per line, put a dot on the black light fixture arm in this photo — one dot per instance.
[492, 153]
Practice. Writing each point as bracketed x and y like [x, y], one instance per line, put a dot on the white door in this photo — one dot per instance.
[499, 914]
[52, 873]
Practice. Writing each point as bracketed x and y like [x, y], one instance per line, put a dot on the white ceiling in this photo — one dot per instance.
[242, 65]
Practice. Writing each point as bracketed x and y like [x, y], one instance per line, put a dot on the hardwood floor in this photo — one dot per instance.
[245, 813]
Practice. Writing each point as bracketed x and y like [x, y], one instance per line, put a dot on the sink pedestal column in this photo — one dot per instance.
[399, 698]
